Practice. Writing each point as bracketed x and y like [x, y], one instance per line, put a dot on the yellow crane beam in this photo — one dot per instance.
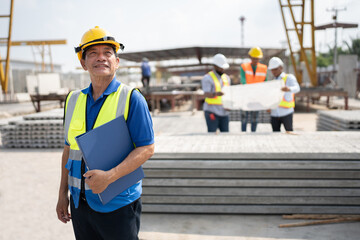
[4, 74]
[288, 10]
[6, 41]
[40, 43]
[34, 42]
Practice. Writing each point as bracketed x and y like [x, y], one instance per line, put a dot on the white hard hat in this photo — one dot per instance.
[275, 62]
[220, 61]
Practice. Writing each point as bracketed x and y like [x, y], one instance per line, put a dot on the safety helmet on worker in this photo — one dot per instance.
[255, 52]
[275, 62]
[220, 61]
[96, 36]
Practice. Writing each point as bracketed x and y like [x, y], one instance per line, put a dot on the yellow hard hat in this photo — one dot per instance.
[255, 52]
[95, 36]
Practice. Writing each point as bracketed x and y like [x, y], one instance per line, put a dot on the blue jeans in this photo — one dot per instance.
[254, 117]
[214, 122]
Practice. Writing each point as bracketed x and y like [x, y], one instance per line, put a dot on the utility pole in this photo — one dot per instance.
[335, 10]
[242, 20]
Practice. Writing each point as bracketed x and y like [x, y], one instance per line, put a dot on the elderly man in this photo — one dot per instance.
[250, 73]
[216, 115]
[283, 114]
[89, 108]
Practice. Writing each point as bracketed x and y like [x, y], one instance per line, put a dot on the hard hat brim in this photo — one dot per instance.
[115, 44]
[273, 67]
[225, 66]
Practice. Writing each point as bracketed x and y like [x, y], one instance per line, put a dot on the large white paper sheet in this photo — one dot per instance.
[253, 97]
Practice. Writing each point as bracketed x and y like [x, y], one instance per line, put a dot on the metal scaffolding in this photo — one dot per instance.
[291, 10]
[4, 74]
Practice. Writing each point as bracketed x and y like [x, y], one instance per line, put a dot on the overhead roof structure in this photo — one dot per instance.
[336, 25]
[177, 68]
[197, 52]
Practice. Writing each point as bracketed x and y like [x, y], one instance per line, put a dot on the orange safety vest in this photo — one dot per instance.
[217, 99]
[284, 103]
[259, 76]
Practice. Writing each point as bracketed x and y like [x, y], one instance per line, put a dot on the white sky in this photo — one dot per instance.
[161, 24]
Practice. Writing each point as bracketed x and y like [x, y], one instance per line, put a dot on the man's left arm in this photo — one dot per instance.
[141, 130]
[292, 85]
[99, 180]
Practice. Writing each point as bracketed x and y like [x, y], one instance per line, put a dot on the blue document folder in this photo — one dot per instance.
[104, 148]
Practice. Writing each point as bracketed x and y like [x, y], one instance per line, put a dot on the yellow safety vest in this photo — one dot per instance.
[217, 99]
[284, 103]
[111, 109]
[115, 105]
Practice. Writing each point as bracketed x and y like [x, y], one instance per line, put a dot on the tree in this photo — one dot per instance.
[323, 60]
[355, 46]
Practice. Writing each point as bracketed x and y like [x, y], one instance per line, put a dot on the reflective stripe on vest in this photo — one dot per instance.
[75, 124]
[217, 99]
[284, 103]
[75, 182]
[260, 73]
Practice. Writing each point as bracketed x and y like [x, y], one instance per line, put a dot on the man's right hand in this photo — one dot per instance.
[62, 209]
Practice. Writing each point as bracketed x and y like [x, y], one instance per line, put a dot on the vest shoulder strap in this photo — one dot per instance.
[285, 78]
[246, 66]
[124, 101]
[261, 67]
[70, 104]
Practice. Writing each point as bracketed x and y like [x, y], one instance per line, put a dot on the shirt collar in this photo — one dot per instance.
[112, 87]
[281, 75]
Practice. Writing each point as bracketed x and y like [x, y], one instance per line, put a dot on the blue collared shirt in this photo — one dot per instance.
[140, 126]
[145, 69]
[291, 83]
[93, 107]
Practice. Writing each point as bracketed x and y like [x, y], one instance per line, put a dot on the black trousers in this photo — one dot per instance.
[122, 224]
[145, 81]
[287, 121]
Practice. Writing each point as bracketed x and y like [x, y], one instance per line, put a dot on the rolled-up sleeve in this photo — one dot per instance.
[139, 121]
[207, 84]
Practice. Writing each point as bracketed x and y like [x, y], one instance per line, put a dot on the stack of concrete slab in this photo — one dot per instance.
[254, 174]
[339, 120]
[40, 130]
[264, 116]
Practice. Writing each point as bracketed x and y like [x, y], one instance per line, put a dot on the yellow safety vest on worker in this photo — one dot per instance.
[287, 103]
[115, 105]
[259, 76]
[217, 100]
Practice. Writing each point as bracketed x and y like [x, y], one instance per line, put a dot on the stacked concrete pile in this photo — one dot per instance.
[340, 120]
[40, 130]
[264, 116]
[315, 173]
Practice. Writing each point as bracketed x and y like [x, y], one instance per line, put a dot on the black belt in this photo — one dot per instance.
[82, 190]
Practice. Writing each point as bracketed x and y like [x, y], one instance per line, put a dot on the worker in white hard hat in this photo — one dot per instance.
[216, 116]
[104, 100]
[250, 73]
[283, 114]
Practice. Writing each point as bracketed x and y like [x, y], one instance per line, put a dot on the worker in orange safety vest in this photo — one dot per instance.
[250, 73]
